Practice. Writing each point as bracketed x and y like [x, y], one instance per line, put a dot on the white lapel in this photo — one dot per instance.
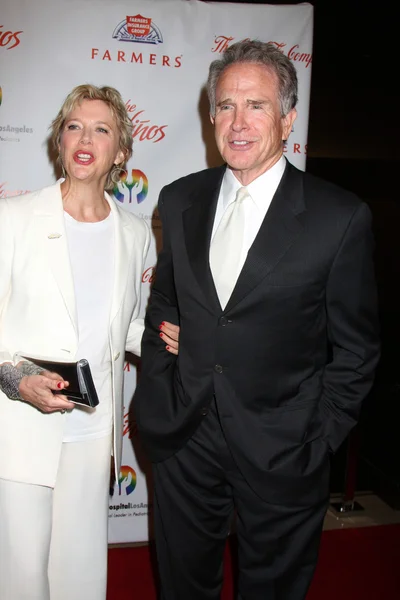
[123, 251]
[50, 214]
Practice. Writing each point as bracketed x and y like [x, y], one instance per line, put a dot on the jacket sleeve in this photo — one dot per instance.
[136, 326]
[353, 331]
[6, 260]
[162, 304]
[155, 400]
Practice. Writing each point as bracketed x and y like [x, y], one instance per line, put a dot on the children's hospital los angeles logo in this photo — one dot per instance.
[123, 507]
[126, 481]
[137, 28]
[11, 132]
[131, 189]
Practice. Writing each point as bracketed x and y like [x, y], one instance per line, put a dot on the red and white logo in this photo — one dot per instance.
[138, 25]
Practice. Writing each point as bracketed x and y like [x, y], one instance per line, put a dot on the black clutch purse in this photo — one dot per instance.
[81, 389]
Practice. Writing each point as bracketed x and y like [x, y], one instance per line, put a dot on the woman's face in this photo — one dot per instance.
[89, 143]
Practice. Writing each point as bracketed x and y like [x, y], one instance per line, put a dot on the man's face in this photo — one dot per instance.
[249, 129]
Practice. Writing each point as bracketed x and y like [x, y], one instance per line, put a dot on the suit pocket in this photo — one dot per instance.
[287, 408]
[290, 425]
[180, 393]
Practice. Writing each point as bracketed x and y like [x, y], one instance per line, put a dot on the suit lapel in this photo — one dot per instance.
[198, 221]
[277, 233]
[123, 245]
[51, 226]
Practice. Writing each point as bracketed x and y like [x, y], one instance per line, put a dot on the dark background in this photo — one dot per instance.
[354, 141]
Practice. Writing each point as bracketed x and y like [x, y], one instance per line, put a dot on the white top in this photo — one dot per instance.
[91, 250]
[261, 191]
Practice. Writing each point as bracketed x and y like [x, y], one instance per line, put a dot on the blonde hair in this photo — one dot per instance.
[113, 99]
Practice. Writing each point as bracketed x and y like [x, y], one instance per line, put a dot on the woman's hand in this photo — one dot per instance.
[170, 335]
[38, 391]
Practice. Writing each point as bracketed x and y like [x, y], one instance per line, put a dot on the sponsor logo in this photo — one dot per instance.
[141, 30]
[13, 130]
[130, 509]
[127, 508]
[131, 190]
[294, 148]
[9, 39]
[148, 275]
[133, 507]
[6, 193]
[139, 58]
[222, 42]
[294, 53]
[126, 481]
[143, 130]
[129, 427]
[137, 28]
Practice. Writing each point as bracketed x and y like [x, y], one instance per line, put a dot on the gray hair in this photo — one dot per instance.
[261, 53]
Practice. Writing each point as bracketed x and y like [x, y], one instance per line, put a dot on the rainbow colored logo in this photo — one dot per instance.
[126, 481]
[130, 190]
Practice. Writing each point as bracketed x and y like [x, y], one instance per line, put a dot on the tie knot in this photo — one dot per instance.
[241, 194]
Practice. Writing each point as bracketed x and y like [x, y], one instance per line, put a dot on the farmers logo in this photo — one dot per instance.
[138, 29]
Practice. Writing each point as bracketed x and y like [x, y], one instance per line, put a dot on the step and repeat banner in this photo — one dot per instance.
[156, 53]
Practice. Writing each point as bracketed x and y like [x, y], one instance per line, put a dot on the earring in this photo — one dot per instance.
[63, 173]
[115, 174]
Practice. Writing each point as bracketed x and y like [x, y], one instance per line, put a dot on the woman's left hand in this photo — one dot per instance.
[170, 335]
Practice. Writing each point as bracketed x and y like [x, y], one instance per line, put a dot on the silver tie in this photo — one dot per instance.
[226, 247]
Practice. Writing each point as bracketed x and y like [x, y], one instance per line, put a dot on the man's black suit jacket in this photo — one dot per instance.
[291, 357]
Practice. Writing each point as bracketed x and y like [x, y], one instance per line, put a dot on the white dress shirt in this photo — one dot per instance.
[261, 190]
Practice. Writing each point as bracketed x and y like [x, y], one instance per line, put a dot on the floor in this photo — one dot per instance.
[368, 510]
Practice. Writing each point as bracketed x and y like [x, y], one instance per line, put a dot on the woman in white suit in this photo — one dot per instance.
[71, 263]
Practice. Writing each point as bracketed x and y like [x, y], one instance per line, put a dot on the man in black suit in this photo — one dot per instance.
[273, 289]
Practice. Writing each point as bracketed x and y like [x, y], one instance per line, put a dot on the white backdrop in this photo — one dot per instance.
[156, 53]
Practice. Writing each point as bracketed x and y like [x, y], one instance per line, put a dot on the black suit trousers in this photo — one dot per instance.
[197, 493]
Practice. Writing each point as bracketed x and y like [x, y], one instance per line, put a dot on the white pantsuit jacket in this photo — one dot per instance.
[38, 318]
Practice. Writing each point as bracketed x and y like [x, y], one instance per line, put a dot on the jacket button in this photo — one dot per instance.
[218, 369]
[223, 321]
[204, 411]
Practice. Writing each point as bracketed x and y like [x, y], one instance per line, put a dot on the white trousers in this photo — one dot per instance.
[53, 542]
